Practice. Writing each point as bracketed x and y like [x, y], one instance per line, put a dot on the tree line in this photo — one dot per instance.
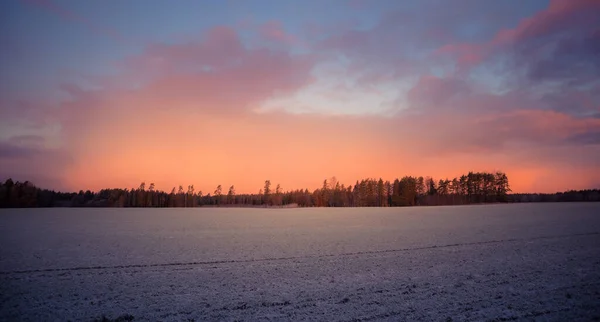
[472, 188]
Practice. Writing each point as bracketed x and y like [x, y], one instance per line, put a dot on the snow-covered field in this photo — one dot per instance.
[500, 262]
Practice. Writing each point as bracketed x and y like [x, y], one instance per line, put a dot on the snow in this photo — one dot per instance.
[461, 263]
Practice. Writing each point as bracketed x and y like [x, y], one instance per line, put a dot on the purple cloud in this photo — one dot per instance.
[12, 151]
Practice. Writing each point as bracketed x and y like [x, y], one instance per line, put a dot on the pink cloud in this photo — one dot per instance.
[560, 16]
[466, 54]
[188, 125]
[218, 73]
[274, 31]
[216, 77]
[219, 47]
[450, 116]
[138, 136]
[190, 120]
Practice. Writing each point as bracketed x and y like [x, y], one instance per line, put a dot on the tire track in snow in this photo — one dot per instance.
[273, 259]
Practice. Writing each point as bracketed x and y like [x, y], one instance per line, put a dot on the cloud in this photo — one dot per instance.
[217, 75]
[10, 151]
[558, 42]
[410, 32]
[27, 140]
[219, 47]
[183, 92]
[584, 102]
[449, 132]
[587, 138]
[225, 110]
[573, 60]
[432, 91]
[274, 31]
[25, 158]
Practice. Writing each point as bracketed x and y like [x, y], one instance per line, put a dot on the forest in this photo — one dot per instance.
[472, 188]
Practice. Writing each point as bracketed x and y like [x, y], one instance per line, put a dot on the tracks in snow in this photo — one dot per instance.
[274, 259]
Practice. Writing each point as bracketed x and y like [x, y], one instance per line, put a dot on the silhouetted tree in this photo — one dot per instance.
[267, 193]
[231, 195]
[474, 187]
[218, 195]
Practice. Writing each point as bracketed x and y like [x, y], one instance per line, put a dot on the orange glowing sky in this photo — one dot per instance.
[238, 102]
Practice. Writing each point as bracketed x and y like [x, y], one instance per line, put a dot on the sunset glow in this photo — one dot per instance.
[105, 94]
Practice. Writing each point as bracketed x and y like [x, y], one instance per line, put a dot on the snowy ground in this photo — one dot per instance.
[502, 262]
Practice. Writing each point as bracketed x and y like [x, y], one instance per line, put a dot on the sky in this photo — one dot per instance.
[109, 94]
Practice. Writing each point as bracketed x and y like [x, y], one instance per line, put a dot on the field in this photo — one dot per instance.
[463, 263]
